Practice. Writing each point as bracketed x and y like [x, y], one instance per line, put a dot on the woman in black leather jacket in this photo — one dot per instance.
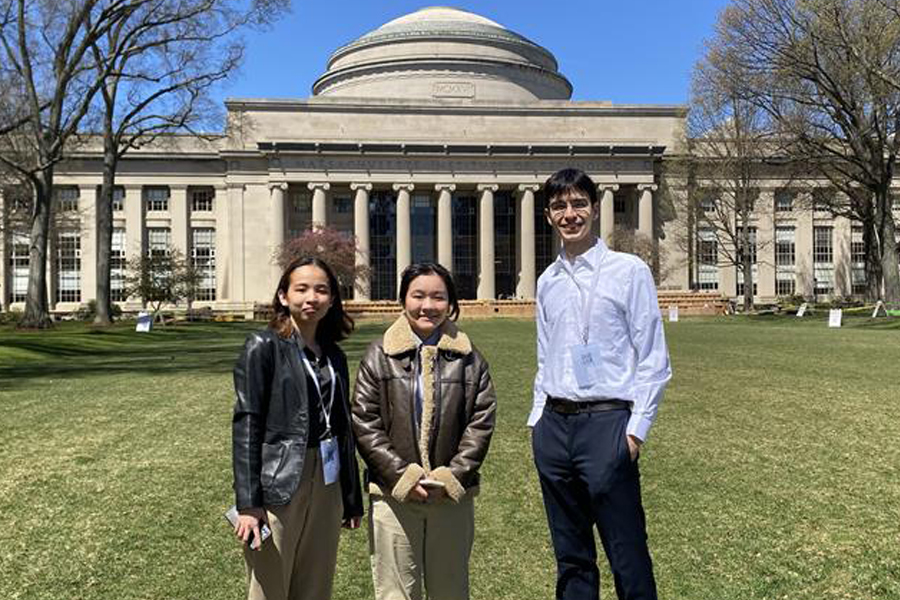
[293, 450]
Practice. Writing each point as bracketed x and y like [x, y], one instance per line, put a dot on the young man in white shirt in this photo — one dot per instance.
[602, 369]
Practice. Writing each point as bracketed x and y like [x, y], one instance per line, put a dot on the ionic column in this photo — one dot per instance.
[224, 252]
[607, 211]
[277, 235]
[486, 277]
[319, 203]
[526, 285]
[404, 227]
[87, 204]
[445, 224]
[363, 285]
[645, 210]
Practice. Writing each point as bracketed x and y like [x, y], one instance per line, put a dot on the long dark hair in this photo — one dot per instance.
[335, 326]
[429, 268]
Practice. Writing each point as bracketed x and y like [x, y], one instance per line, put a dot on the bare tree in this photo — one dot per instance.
[729, 140]
[163, 59]
[825, 73]
[46, 49]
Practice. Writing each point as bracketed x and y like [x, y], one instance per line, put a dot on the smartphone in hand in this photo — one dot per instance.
[231, 515]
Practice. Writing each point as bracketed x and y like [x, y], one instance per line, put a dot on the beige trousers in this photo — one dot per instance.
[298, 561]
[412, 543]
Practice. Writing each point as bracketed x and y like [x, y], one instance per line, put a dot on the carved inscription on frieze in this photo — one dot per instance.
[453, 89]
[459, 165]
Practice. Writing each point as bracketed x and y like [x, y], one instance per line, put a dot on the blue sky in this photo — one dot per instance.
[638, 52]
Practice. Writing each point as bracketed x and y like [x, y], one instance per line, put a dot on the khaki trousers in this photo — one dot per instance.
[412, 543]
[298, 561]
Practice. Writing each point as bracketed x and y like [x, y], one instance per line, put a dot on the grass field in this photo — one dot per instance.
[773, 470]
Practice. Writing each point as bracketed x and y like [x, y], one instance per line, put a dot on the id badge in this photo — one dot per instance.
[331, 460]
[586, 364]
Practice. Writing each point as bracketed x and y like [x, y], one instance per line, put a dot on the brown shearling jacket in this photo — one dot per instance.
[458, 411]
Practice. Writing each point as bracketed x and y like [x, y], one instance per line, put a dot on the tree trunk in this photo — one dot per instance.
[104, 233]
[873, 261]
[747, 264]
[37, 310]
[889, 262]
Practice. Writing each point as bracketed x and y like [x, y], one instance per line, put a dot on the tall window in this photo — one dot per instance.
[343, 205]
[118, 199]
[823, 199]
[300, 219]
[423, 218]
[117, 265]
[158, 241]
[68, 267]
[202, 199]
[66, 199]
[465, 245]
[707, 203]
[823, 260]
[203, 258]
[857, 260]
[784, 201]
[785, 261]
[383, 245]
[740, 259]
[18, 263]
[707, 259]
[505, 273]
[156, 199]
[544, 251]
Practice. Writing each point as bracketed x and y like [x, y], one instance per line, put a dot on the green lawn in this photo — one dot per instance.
[773, 470]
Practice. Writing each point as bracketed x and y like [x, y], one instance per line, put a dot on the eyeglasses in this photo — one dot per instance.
[578, 205]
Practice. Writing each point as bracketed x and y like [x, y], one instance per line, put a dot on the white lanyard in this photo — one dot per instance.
[312, 374]
[587, 303]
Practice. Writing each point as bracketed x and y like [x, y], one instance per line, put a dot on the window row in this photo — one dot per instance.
[67, 265]
[155, 198]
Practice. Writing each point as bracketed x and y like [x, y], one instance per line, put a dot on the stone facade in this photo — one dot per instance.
[427, 139]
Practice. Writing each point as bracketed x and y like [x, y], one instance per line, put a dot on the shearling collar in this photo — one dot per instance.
[400, 338]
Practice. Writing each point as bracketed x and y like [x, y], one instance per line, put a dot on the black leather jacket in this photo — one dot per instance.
[271, 423]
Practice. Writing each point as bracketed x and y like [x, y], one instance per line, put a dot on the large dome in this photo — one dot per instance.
[443, 53]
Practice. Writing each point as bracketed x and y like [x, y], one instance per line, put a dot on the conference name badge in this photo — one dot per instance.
[331, 460]
[586, 364]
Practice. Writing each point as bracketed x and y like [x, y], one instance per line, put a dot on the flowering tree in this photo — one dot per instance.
[337, 248]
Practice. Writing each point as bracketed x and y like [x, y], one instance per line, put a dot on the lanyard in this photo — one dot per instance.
[312, 375]
[587, 303]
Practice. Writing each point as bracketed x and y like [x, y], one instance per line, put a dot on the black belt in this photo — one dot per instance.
[572, 407]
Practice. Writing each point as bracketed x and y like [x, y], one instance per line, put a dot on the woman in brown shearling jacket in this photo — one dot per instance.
[423, 415]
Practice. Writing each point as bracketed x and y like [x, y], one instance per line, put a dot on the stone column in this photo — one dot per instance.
[840, 240]
[363, 286]
[607, 210]
[486, 276]
[765, 245]
[134, 221]
[278, 232]
[180, 219]
[803, 248]
[404, 227]
[4, 240]
[224, 252]
[445, 224]
[645, 210]
[526, 284]
[319, 203]
[87, 205]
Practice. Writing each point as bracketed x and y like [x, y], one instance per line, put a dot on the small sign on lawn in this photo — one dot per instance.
[834, 317]
[144, 322]
[673, 314]
[802, 310]
[880, 310]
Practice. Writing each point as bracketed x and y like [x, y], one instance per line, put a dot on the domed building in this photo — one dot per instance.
[426, 138]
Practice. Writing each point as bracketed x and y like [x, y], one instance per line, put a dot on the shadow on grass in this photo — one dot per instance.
[76, 351]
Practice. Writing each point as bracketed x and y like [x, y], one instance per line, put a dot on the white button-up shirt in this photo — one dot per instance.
[625, 323]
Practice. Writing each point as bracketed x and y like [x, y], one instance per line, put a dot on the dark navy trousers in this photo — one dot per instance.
[587, 479]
